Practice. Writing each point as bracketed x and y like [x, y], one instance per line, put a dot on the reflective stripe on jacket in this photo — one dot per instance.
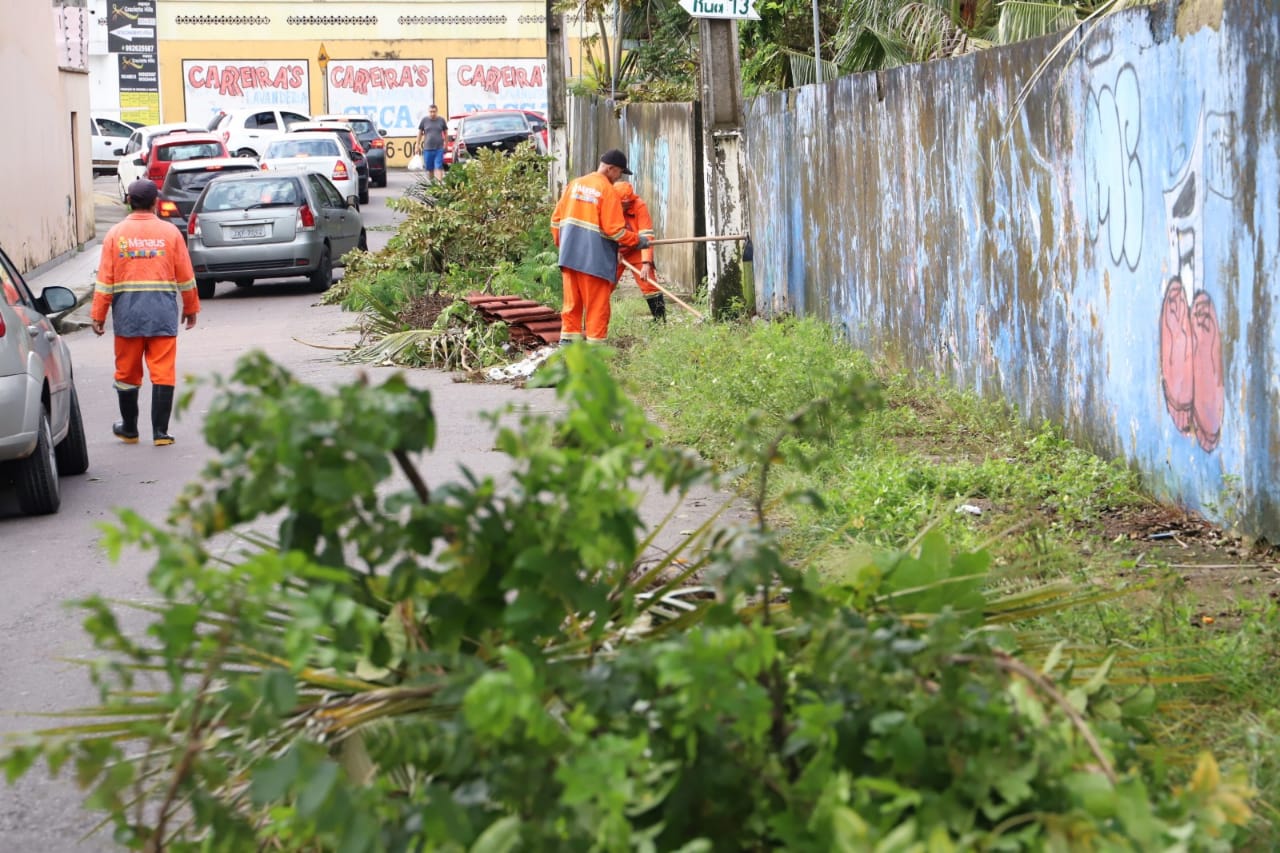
[589, 226]
[143, 268]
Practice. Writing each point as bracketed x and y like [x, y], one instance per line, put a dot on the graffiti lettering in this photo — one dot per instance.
[1190, 340]
[233, 80]
[361, 80]
[1113, 172]
[492, 78]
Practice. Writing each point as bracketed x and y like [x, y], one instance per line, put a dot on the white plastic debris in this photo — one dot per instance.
[521, 369]
[969, 508]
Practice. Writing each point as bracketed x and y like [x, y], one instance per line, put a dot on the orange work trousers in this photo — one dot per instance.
[586, 306]
[161, 354]
[646, 287]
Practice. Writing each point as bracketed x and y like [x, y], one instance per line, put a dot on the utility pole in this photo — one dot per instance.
[557, 130]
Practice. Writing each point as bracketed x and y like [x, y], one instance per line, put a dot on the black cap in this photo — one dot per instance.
[143, 192]
[614, 157]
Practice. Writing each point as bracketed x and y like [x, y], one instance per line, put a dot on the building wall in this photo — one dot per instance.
[47, 205]
[1106, 255]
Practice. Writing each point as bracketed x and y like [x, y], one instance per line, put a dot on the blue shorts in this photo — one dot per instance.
[433, 159]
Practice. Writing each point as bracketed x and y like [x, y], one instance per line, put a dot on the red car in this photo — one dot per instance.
[168, 150]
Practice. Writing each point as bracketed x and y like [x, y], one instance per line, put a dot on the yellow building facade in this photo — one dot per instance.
[386, 60]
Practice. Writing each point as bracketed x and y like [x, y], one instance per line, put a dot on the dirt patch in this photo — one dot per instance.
[422, 312]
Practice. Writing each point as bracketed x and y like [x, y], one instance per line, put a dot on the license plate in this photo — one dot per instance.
[248, 232]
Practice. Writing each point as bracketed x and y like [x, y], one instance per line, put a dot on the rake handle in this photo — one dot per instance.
[676, 299]
[667, 241]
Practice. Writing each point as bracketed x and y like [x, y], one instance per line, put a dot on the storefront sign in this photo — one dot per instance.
[494, 84]
[213, 85]
[394, 93]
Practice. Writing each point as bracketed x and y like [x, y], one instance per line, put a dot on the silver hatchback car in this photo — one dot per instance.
[276, 224]
[41, 432]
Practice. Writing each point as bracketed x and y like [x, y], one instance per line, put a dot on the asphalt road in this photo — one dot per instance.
[47, 561]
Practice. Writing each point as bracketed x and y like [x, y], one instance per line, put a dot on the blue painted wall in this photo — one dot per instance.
[1106, 255]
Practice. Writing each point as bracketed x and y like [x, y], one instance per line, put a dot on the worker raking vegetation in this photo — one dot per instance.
[636, 212]
[589, 227]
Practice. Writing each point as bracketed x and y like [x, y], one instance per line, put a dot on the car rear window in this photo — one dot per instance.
[189, 151]
[242, 195]
[197, 179]
[317, 147]
[362, 125]
[497, 124]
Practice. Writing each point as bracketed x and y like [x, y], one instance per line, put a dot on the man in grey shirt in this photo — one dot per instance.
[431, 132]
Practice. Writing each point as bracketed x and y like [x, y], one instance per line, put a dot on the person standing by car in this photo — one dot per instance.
[431, 133]
[143, 271]
[636, 212]
[589, 227]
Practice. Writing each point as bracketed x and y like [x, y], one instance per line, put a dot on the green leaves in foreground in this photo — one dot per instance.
[484, 665]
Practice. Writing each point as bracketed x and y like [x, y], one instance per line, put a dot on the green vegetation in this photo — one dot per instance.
[1050, 512]
[412, 664]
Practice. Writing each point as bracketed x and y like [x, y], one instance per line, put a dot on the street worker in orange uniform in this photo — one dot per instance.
[143, 272]
[589, 227]
[636, 212]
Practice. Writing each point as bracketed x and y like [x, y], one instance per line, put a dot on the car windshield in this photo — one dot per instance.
[318, 147]
[339, 133]
[188, 151]
[362, 126]
[196, 180]
[494, 124]
[243, 195]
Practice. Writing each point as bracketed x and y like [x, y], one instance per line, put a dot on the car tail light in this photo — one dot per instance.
[155, 172]
[167, 208]
[264, 167]
[359, 149]
[378, 143]
[193, 226]
[339, 171]
[1, 325]
[306, 219]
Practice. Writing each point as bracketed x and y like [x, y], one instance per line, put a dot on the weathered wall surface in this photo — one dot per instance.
[663, 148]
[1107, 256]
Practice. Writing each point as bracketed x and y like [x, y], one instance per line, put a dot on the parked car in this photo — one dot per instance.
[41, 431]
[355, 151]
[108, 134]
[188, 178]
[372, 139]
[246, 131]
[539, 123]
[167, 150]
[499, 130]
[451, 137]
[275, 224]
[321, 153]
[133, 156]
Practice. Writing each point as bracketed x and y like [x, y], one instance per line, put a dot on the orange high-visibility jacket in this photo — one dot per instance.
[588, 226]
[636, 213]
[143, 269]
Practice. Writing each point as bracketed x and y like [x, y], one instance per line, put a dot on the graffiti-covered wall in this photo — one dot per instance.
[1104, 253]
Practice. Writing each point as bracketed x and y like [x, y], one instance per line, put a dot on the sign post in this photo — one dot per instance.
[322, 59]
[733, 10]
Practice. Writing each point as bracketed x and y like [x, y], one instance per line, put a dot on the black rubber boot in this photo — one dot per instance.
[658, 306]
[161, 408]
[126, 429]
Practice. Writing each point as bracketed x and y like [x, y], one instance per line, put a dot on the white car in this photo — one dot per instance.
[247, 131]
[133, 156]
[321, 153]
[108, 135]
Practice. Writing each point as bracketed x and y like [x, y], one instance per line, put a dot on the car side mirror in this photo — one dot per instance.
[55, 299]
[139, 162]
[118, 152]
[382, 131]
[353, 203]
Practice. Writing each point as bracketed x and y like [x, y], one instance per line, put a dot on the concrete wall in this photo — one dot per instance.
[46, 206]
[663, 148]
[1107, 256]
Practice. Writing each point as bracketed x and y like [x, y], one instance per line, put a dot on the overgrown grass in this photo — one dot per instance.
[937, 456]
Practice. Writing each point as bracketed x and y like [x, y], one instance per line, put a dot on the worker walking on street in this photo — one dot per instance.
[143, 272]
[589, 227]
[636, 213]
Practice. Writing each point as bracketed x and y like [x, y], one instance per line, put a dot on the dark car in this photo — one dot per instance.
[498, 130]
[344, 134]
[371, 139]
[188, 178]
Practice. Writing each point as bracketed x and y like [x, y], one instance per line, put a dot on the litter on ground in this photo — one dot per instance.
[521, 369]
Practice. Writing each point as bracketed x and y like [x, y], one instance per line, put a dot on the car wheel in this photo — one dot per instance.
[322, 278]
[37, 475]
[72, 454]
[364, 196]
[205, 287]
[247, 152]
[243, 282]
[363, 243]
[382, 182]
